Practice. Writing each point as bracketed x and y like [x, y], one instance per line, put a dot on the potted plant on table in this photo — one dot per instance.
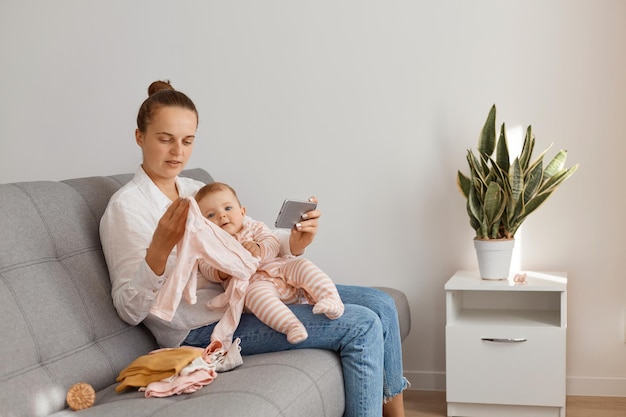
[501, 194]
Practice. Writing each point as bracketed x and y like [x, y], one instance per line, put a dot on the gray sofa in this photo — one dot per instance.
[58, 325]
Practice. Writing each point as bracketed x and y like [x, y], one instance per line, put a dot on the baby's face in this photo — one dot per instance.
[221, 207]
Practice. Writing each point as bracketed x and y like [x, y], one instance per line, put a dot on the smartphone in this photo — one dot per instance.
[291, 213]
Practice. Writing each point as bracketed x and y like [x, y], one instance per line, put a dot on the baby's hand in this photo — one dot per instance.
[252, 247]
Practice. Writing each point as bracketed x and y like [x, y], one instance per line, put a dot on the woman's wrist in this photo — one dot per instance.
[296, 246]
[156, 261]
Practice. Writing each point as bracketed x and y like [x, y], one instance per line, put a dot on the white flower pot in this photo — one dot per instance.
[494, 257]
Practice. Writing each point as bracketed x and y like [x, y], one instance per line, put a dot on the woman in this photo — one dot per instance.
[146, 218]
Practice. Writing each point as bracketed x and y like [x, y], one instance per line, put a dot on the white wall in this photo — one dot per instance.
[370, 105]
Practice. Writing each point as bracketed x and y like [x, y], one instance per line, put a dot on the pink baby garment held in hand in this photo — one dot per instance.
[207, 241]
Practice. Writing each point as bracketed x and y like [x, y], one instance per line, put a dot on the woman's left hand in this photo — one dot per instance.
[304, 232]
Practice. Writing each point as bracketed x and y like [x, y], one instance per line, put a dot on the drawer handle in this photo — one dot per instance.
[508, 340]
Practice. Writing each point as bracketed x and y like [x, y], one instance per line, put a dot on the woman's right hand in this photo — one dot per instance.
[304, 232]
[168, 233]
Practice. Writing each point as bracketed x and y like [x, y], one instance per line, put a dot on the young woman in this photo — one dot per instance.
[146, 218]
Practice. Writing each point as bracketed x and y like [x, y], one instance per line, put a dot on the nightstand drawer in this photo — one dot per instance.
[505, 365]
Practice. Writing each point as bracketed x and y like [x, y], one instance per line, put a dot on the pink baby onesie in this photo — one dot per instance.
[204, 240]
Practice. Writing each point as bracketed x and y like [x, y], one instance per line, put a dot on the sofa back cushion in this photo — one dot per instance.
[58, 325]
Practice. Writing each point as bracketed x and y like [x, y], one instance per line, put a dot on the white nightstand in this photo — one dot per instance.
[505, 346]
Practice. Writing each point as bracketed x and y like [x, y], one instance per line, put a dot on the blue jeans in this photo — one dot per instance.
[367, 338]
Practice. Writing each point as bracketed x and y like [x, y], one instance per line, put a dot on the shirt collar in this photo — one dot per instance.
[149, 189]
[186, 188]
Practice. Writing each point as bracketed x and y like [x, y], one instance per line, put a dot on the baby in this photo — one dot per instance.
[278, 280]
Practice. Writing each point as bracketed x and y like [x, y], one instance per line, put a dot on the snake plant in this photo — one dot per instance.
[500, 194]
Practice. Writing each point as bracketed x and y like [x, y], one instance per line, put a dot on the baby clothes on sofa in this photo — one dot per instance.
[156, 366]
[183, 370]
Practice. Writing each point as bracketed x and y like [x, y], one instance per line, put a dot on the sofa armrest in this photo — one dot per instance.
[404, 312]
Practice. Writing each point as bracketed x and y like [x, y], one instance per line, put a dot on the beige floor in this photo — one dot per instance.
[433, 404]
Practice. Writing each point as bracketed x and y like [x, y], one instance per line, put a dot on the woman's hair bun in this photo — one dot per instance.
[157, 86]
[160, 94]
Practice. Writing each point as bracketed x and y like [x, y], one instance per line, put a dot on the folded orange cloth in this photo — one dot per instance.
[156, 366]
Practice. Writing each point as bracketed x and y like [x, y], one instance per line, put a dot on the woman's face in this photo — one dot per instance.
[167, 142]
